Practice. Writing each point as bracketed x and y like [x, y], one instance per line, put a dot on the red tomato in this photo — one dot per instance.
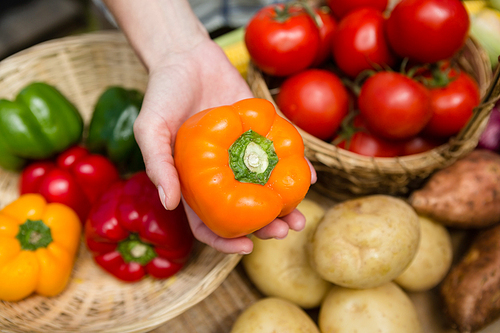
[326, 31]
[452, 105]
[341, 7]
[359, 140]
[427, 31]
[315, 100]
[359, 42]
[282, 40]
[394, 105]
[367, 144]
[418, 144]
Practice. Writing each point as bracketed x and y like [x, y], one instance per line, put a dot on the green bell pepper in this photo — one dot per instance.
[39, 123]
[111, 128]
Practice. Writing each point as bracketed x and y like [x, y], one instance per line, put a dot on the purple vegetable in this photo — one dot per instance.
[490, 138]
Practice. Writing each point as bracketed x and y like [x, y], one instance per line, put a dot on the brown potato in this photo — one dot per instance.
[471, 290]
[365, 242]
[465, 194]
[280, 267]
[433, 258]
[273, 315]
[386, 308]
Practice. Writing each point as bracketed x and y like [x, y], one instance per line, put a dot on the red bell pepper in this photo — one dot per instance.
[131, 235]
[76, 178]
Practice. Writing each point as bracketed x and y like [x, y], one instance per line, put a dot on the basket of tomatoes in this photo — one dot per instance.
[85, 245]
[382, 95]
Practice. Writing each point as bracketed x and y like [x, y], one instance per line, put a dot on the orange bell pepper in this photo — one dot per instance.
[241, 166]
[38, 245]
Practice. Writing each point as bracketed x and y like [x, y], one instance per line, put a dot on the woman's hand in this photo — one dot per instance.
[188, 74]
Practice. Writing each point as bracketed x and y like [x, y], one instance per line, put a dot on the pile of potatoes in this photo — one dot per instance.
[356, 260]
[352, 261]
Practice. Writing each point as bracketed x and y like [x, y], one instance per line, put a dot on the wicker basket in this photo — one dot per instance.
[94, 301]
[343, 174]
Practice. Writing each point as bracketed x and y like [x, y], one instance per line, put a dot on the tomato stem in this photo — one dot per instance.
[440, 77]
[282, 14]
[347, 129]
[252, 158]
[308, 9]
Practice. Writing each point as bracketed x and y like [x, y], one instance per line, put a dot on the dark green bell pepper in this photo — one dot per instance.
[111, 128]
[39, 123]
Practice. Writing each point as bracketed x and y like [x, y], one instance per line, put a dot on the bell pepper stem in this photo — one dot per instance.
[252, 158]
[134, 249]
[255, 158]
[33, 235]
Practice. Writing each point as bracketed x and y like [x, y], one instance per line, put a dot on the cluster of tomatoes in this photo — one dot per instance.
[376, 81]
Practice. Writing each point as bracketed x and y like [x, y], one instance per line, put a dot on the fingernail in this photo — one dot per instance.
[162, 195]
[244, 252]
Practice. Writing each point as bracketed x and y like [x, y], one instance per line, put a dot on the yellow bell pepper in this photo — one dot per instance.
[38, 245]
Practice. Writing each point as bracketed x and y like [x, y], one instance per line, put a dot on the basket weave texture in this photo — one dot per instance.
[81, 67]
[343, 174]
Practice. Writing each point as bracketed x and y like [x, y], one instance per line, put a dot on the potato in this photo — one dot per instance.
[381, 309]
[365, 242]
[272, 315]
[464, 194]
[471, 289]
[432, 260]
[281, 267]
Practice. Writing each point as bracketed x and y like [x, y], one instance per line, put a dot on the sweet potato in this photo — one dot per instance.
[465, 194]
[471, 290]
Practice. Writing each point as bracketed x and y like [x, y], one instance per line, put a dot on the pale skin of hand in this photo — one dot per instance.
[188, 73]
